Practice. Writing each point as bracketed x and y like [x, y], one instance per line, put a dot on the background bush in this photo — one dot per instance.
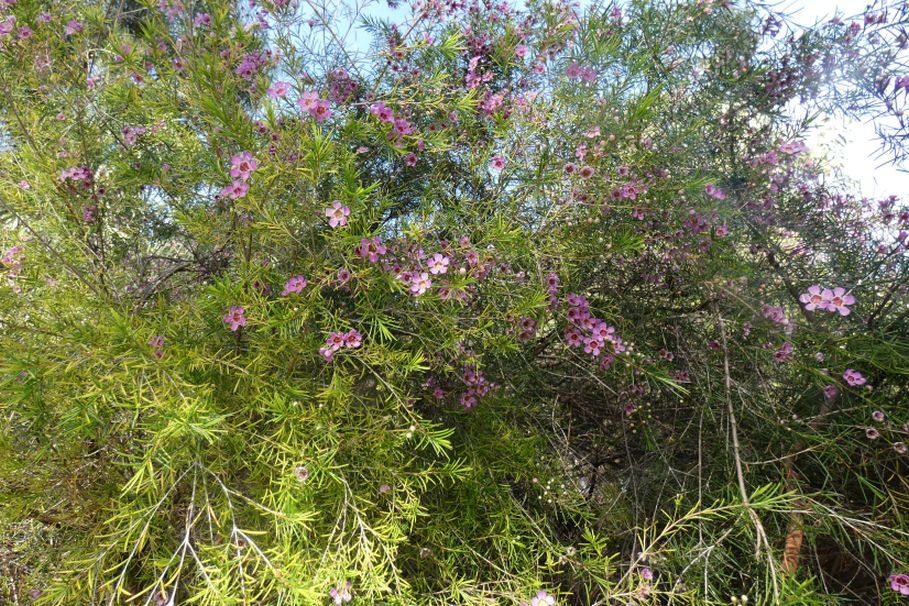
[513, 305]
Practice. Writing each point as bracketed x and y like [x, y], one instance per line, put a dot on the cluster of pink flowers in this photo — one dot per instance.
[78, 176]
[341, 86]
[340, 593]
[251, 64]
[241, 168]
[318, 108]
[583, 72]
[477, 384]
[337, 340]
[587, 331]
[476, 78]
[295, 284]
[337, 214]
[235, 317]
[836, 300]
[131, 134]
[399, 126]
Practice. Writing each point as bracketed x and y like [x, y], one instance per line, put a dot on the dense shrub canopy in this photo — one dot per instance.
[508, 305]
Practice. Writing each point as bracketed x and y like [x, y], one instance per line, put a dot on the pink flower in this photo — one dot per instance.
[235, 190]
[542, 599]
[520, 51]
[854, 377]
[337, 214]
[321, 111]
[341, 593]
[814, 298]
[420, 284]
[242, 166]
[878, 416]
[335, 341]
[497, 163]
[872, 434]
[592, 346]
[382, 112]
[410, 159]
[570, 167]
[73, 27]
[278, 90]
[295, 284]
[371, 249]
[586, 172]
[714, 192]
[438, 264]
[235, 317]
[783, 352]
[839, 300]
[831, 392]
[352, 339]
[308, 101]
[327, 353]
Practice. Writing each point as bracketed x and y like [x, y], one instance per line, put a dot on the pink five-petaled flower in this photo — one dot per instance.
[438, 264]
[814, 298]
[420, 283]
[899, 583]
[839, 301]
[353, 339]
[235, 317]
[341, 593]
[321, 112]
[335, 341]
[542, 599]
[295, 284]
[592, 345]
[337, 214]
[497, 163]
[235, 190]
[278, 89]
[371, 249]
[308, 101]
[242, 165]
[854, 377]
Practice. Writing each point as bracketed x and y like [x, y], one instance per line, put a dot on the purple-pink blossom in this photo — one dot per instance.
[278, 90]
[438, 264]
[337, 214]
[371, 249]
[294, 284]
[899, 583]
[854, 377]
[235, 317]
[242, 166]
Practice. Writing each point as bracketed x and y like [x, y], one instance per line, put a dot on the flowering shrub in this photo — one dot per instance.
[519, 305]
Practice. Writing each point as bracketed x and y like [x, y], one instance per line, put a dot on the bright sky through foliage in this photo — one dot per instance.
[851, 144]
